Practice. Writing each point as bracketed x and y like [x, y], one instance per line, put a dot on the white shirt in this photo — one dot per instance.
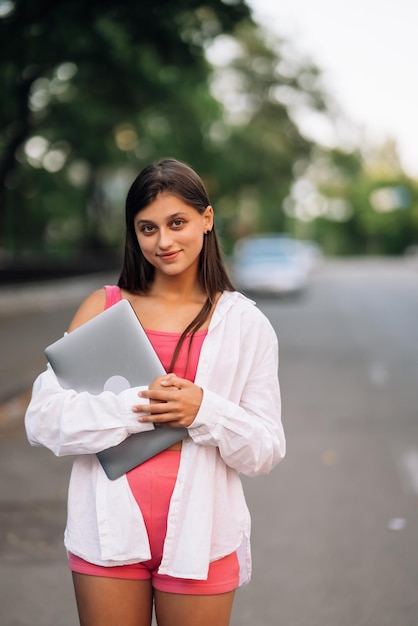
[237, 429]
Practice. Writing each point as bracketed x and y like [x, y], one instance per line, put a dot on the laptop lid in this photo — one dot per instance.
[110, 352]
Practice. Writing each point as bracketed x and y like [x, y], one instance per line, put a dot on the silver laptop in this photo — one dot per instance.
[112, 352]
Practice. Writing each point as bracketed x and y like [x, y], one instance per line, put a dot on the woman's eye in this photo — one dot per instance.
[147, 229]
[177, 223]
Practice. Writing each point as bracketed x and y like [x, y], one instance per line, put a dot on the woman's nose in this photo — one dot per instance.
[165, 238]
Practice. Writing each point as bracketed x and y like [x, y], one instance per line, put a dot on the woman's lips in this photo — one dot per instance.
[169, 256]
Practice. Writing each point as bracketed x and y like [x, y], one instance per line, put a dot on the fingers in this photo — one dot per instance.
[161, 402]
[160, 395]
[157, 390]
[171, 380]
[176, 402]
[159, 411]
[155, 408]
[166, 413]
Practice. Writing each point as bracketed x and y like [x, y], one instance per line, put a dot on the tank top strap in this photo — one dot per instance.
[113, 295]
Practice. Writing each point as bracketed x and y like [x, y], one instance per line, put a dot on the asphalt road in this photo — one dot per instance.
[335, 526]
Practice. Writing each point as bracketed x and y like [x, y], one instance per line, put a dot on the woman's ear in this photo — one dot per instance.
[208, 219]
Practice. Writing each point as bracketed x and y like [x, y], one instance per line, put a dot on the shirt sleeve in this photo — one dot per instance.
[248, 432]
[69, 422]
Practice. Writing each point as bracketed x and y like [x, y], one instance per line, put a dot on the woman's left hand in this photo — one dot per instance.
[174, 401]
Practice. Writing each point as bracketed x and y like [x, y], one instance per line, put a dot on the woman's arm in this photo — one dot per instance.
[89, 308]
[68, 422]
[250, 434]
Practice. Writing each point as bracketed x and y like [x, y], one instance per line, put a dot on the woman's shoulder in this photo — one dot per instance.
[89, 308]
[239, 305]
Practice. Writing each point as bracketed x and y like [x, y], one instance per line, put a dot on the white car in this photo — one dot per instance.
[270, 264]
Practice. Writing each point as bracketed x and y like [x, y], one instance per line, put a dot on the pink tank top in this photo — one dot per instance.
[164, 343]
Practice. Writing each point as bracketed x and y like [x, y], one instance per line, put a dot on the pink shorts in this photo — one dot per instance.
[152, 484]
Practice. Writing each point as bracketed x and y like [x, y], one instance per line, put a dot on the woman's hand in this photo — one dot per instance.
[173, 401]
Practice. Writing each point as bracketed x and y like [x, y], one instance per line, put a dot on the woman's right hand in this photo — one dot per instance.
[173, 401]
[156, 385]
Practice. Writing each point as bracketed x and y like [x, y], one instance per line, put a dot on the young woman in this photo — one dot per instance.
[174, 531]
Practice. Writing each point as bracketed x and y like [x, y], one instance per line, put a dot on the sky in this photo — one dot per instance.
[368, 53]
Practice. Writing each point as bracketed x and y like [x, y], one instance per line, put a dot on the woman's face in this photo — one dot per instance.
[170, 234]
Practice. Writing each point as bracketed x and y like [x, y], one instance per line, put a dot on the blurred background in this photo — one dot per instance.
[300, 118]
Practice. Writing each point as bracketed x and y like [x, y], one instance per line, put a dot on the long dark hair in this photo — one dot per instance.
[179, 179]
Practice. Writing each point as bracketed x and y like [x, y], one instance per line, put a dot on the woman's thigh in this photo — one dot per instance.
[112, 601]
[174, 609]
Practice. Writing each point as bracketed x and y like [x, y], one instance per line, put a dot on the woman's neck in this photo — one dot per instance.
[169, 305]
[177, 290]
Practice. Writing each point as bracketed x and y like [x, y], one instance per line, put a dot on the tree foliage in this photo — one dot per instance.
[263, 142]
[99, 84]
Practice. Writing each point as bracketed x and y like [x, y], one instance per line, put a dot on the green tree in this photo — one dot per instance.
[262, 85]
[359, 203]
[94, 84]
